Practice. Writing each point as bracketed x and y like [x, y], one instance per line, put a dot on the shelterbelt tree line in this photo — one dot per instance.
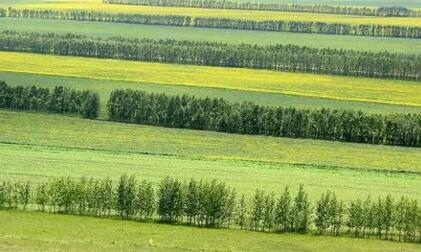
[376, 30]
[274, 57]
[284, 7]
[220, 115]
[214, 204]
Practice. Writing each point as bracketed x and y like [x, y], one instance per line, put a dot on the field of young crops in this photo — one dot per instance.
[222, 13]
[320, 86]
[76, 147]
[374, 44]
[46, 232]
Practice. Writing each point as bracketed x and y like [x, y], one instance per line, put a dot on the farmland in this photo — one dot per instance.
[104, 87]
[222, 13]
[120, 132]
[375, 44]
[245, 161]
[55, 232]
[308, 85]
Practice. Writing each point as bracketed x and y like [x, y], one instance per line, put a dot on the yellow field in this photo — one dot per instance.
[96, 5]
[324, 86]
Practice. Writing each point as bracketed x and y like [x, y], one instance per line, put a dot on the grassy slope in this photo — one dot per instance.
[47, 232]
[374, 44]
[309, 85]
[39, 146]
[237, 14]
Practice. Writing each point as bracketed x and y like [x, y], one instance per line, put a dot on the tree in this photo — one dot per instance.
[171, 200]
[145, 200]
[356, 214]
[323, 213]
[301, 211]
[387, 215]
[241, 212]
[90, 106]
[257, 210]
[268, 212]
[283, 212]
[126, 194]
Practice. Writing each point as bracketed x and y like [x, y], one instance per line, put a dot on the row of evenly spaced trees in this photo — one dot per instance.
[311, 27]
[395, 11]
[214, 204]
[57, 100]
[248, 118]
[273, 57]
[226, 23]
[221, 115]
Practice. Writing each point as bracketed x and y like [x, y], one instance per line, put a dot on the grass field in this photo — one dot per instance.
[37, 146]
[48, 232]
[374, 44]
[96, 5]
[309, 85]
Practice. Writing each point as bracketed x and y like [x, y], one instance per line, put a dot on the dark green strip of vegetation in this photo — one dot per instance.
[249, 118]
[58, 100]
[274, 57]
[315, 8]
[226, 23]
[214, 204]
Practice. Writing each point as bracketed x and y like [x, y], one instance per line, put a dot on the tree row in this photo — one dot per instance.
[272, 57]
[220, 115]
[57, 100]
[376, 30]
[395, 11]
[214, 204]
[248, 118]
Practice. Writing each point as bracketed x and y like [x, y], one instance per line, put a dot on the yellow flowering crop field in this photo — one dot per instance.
[97, 5]
[301, 84]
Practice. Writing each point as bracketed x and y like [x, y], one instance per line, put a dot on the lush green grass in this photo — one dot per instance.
[375, 44]
[29, 231]
[37, 146]
[309, 85]
[97, 5]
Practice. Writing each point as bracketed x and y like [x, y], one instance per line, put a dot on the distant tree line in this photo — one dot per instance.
[273, 57]
[248, 118]
[311, 27]
[214, 204]
[81, 15]
[395, 11]
[226, 23]
[57, 100]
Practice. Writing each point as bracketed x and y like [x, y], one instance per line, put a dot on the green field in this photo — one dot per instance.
[309, 85]
[47, 232]
[97, 5]
[374, 44]
[37, 146]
